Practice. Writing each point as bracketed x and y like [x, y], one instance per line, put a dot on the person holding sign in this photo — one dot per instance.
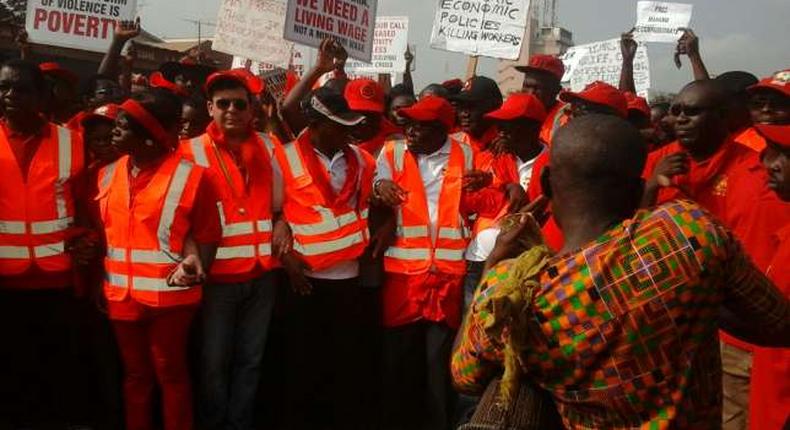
[327, 184]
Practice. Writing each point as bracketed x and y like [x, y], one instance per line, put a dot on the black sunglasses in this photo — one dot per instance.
[238, 104]
[678, 109]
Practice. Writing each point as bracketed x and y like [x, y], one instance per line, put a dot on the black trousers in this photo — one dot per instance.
[42, 384]
[323, 357]
[416, 391]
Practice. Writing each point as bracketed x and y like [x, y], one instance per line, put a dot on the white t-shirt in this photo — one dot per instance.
[432, 168]
[481, 245]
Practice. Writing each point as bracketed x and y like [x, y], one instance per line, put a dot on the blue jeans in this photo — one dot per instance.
[474, 272]
[235, 321]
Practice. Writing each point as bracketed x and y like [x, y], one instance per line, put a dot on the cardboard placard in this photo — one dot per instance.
[602, 61]
[491, 28]
[660, 21]
[350, 22]
[253, 29]
[79, 24]
[390, 39]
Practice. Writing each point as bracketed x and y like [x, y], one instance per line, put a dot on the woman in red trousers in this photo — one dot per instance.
[160, 220]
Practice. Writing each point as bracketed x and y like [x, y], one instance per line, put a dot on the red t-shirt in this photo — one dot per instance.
[769, 406]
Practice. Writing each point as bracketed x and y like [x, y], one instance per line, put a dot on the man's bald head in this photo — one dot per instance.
[596, 166]
[595, 147]
[701, 117]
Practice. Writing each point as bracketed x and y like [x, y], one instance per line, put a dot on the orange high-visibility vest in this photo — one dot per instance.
[245, 215]
[323, 233]
[414, 250]
[145, 233]
[37, 213]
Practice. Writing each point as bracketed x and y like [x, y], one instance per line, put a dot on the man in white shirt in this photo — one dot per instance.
[518, 122]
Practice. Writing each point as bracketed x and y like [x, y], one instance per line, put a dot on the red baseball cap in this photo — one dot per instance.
[519, 105]
[637, 103]
[252, 83]
[54, 69]
[544, 63]
[779, 134]
[365, 95]
[601, 93]
[158, 80]
[431, 108]
[108, 112]
[780, 81]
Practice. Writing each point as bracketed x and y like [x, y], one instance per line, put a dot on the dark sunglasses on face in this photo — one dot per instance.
[760, 102]
[19, 88]
[238, 104]
[678, 109]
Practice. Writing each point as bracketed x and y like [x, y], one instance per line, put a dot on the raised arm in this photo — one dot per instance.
[124, 31]
[688, 45]
[330, 53]
[408, 82]
[628, 47]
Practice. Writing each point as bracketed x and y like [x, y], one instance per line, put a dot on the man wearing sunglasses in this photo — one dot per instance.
[707, 165]
[239, 297]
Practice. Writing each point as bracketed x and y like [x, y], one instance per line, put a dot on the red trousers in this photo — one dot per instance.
[153, 348]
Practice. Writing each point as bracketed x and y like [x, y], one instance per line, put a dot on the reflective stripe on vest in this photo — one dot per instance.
[64, 170]
[418, 254]
[328, 223]
[326, 247]
[449, 254]
[242, 251]
[199, 152]
[38, 227]
[294, 161]
[145, 256]
[109, 172]
[412, 231]
[451, 233]
[172, 199]
[142, 283]
[41, 251]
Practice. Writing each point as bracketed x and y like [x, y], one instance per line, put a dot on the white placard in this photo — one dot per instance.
[390, 39]
[660, 21]
[302, 56]
[491, 28]
[350, 22]
[602, 61]
[253, 29]
[79, 24]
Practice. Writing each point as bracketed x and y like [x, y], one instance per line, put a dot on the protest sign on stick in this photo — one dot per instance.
[77, 24]
[493, 28]
[350, 22]
[602, 61]
[253, 29]
[471, 66]
[390, 40]
[660, 21]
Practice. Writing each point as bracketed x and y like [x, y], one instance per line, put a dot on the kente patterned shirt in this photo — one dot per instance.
[624, 332]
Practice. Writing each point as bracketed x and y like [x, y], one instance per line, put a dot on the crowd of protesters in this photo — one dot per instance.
[184, 250]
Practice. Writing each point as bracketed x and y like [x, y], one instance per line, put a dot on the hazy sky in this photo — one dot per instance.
[750, 35]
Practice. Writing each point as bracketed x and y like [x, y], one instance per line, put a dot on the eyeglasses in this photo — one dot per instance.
[678, 109]
[238, 104]
[772, 102]
[6, 87]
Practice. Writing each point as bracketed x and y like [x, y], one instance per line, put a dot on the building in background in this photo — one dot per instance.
[545, 37]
